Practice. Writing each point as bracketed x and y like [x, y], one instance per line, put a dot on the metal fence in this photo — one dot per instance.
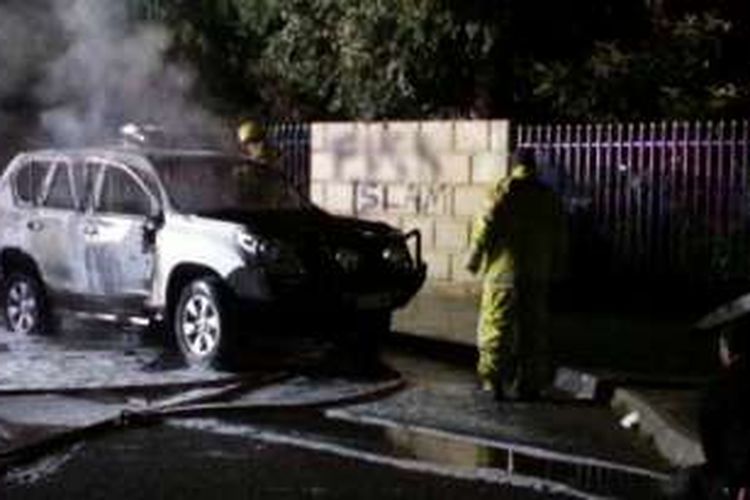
[652, 200]
[293, 141]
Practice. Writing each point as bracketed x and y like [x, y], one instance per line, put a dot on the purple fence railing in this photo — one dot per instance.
[655, 200]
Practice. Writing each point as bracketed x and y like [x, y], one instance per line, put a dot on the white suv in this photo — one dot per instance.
[211, 246]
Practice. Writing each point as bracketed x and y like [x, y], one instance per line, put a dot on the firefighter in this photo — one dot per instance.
[516, 245]
[252, 140]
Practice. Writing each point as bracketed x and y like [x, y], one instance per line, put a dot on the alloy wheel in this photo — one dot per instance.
[200, 323]
[22, 307]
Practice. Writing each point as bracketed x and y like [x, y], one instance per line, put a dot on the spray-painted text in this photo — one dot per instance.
[422, 199]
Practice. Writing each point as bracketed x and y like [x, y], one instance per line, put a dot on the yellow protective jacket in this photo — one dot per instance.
[266, 154]
[520, 234]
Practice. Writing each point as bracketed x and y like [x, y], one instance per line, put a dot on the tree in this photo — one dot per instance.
[375, 59]
[521, 59]
[681, 70]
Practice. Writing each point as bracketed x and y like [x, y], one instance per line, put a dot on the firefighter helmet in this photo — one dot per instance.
[250, 131]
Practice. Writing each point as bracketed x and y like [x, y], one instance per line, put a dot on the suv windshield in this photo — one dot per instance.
[205, 185]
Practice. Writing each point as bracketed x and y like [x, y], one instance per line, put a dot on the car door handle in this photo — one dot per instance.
[35, 225]
[90, 231]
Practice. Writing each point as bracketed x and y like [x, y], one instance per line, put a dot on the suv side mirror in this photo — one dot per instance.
[151, 227]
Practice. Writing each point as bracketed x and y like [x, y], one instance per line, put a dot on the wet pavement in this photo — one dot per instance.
[667, 418]
[197, 463]
[292, 427]
[444, 396]
[89, 357]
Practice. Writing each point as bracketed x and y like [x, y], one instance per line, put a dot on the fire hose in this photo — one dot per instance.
[209, 399]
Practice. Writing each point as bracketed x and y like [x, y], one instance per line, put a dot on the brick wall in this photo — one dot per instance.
[429, 175]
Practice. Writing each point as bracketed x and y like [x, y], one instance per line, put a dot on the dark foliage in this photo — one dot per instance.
[524, 59]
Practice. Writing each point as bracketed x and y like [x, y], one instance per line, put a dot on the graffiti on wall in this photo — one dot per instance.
[411, 198]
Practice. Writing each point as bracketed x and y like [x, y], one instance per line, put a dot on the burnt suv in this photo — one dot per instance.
[207, 245]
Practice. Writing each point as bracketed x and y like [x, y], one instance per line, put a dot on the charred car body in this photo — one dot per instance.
[206, 244]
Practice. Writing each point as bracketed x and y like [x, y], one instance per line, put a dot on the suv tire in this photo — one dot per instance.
[25, 307]
[202, 322]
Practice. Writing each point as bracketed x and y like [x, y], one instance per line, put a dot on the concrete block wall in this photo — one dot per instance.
[431, 175]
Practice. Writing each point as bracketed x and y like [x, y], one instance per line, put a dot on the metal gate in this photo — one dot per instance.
[293, 140]
[652, 201]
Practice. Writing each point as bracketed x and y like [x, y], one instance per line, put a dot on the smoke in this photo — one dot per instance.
[20, 44]
[86, 69]
[26, 34]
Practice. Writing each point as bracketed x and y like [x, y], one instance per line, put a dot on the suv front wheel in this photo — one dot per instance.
[25, 305]
[202, 322]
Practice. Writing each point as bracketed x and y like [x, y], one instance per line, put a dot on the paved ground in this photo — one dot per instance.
[656, 356]
[439, 394]
[444, 396]
[237, 462]
[439, 419]
[667, 418]
[437, 425]
[84, 359]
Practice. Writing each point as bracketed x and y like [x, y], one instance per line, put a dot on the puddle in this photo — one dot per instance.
[365, 441]
[205, 458]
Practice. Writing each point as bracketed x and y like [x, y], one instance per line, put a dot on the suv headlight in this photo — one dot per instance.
[255, 246]
[349, 260]
[397, 256]
[276, 257]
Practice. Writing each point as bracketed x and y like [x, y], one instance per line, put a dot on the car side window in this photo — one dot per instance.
[152, 185]
[29, 182]
[60, 192]
[121, 194]
[84, 177]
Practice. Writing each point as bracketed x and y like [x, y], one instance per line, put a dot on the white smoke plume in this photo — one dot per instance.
[86, 69]
[27, 38]
[25, 33]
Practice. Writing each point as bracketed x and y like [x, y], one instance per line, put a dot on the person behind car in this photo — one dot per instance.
[516, 245]
[253, 143]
